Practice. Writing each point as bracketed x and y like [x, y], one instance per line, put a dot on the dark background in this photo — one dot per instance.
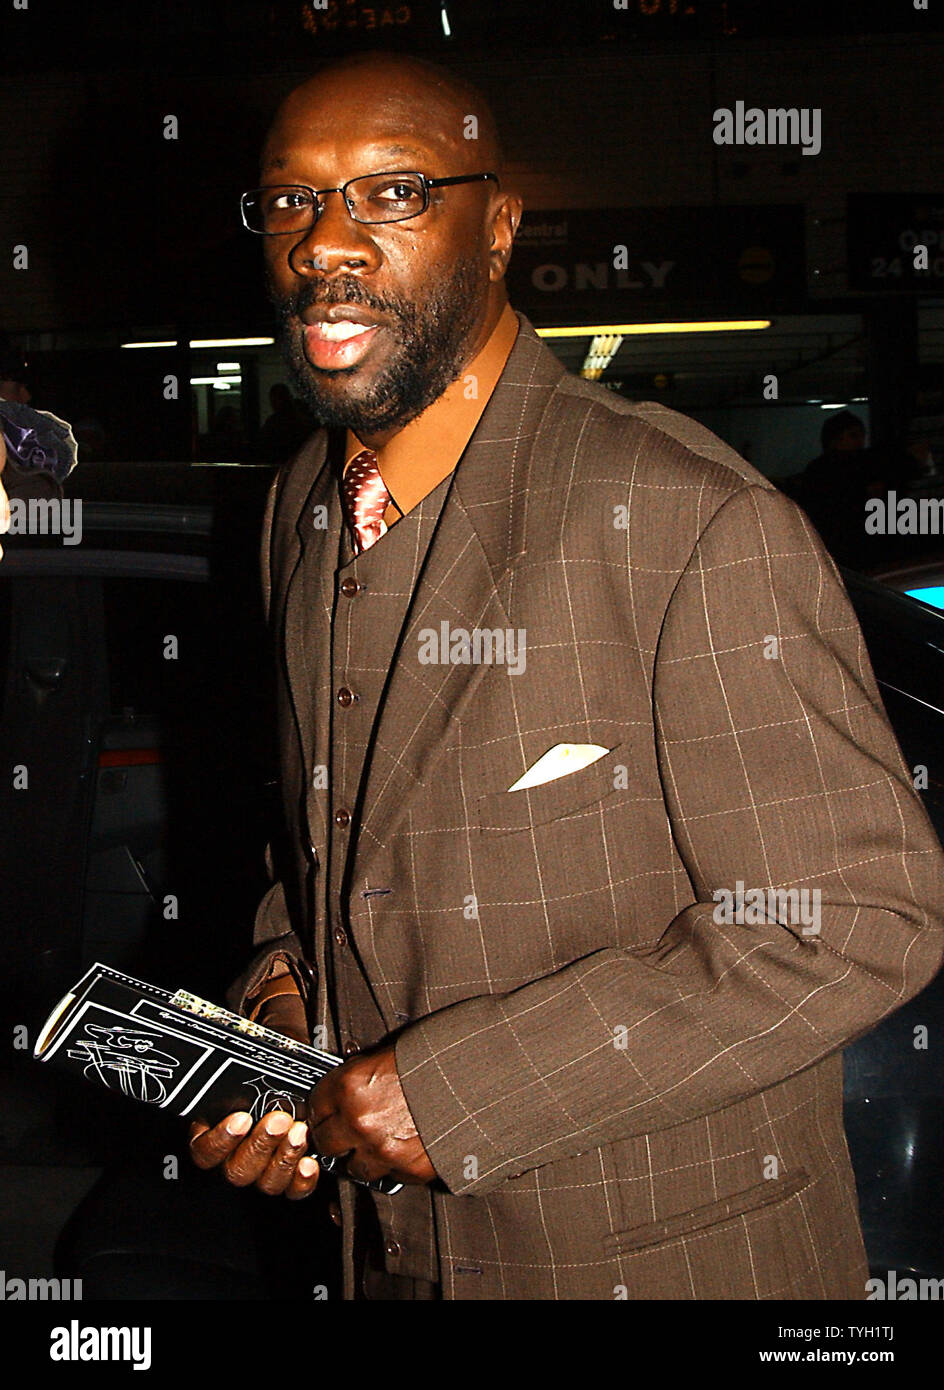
[606, 114]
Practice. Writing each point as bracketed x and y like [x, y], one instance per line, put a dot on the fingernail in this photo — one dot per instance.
[297, 1134]
[239, 1124]
[307, 1167]
[278, 1123]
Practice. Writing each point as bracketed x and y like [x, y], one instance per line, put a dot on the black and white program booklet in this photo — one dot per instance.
[181, 1053]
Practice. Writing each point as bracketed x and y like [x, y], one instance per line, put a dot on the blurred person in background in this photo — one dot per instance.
[834, 487]
[286, 429]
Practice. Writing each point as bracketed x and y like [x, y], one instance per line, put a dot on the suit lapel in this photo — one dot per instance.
[479, 535]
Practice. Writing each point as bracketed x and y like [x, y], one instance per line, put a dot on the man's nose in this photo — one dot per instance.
[334, 242]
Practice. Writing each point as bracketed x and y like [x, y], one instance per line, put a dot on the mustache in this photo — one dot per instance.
[344, 291]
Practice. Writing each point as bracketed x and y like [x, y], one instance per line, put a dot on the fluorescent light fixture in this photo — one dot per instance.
[445, 23]
[833, 405]
[227, 366]
[230, 342]
[603, 349]
[222, 383]
[170, 342]
[625, 329]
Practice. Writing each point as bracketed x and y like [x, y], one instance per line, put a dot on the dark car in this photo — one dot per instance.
[138, 697]
[137, 722]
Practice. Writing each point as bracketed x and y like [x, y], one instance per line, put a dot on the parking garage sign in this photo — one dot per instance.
[896, 242]
[609, 264]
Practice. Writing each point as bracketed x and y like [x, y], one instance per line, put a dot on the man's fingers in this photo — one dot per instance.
[271, 1154]
[304, 1180]
[209, 1147]
[248, 1162]
[281, 1167]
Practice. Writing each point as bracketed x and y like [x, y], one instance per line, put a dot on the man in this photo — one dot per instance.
[560, 677]
[834, 488]
[286, 429]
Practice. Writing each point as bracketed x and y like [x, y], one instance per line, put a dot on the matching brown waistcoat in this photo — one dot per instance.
[367, 618]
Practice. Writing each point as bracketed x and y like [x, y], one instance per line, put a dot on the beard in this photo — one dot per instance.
[431, 346]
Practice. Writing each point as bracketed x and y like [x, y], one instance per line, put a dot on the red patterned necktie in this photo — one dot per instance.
[365, 499]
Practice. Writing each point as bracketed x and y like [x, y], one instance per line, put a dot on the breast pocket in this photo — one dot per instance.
[576, 792]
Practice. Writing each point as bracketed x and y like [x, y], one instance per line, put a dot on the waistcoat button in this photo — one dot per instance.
[342, 818]
[340, 936]
[346, 697]
[349, 587]
[392, 1248]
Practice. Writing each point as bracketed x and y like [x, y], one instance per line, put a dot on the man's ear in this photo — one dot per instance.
[505, 224]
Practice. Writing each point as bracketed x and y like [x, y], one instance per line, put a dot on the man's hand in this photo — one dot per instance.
[271, 1154]
[359, 1109]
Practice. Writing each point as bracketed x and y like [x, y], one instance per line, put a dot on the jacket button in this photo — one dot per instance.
[352, 1048]
[346, 697]
[334, 1211]
[342, 818]
[392, 1248]
[340, 936]
[349, 587]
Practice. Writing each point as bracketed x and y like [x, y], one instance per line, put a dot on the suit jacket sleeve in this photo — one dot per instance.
[779, 769]
[280, 949]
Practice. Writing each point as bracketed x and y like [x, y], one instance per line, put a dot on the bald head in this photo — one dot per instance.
[450, 109]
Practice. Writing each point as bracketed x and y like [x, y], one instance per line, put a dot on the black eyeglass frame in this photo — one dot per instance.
[318, 204]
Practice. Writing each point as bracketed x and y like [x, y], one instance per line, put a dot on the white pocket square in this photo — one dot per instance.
[558, 761]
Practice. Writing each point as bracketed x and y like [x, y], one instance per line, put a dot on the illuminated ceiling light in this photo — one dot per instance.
[221, 383]
[445, 23]
[230, 342]
[625, 329]
[603, 349]
[832, 405]
[169, 343]
[227, 366]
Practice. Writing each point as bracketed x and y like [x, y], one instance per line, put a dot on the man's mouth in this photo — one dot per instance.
[333, 341]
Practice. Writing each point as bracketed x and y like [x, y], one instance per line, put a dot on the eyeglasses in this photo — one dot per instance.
[283, 209]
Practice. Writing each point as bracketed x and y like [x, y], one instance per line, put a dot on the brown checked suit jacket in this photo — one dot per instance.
[623, 1094]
